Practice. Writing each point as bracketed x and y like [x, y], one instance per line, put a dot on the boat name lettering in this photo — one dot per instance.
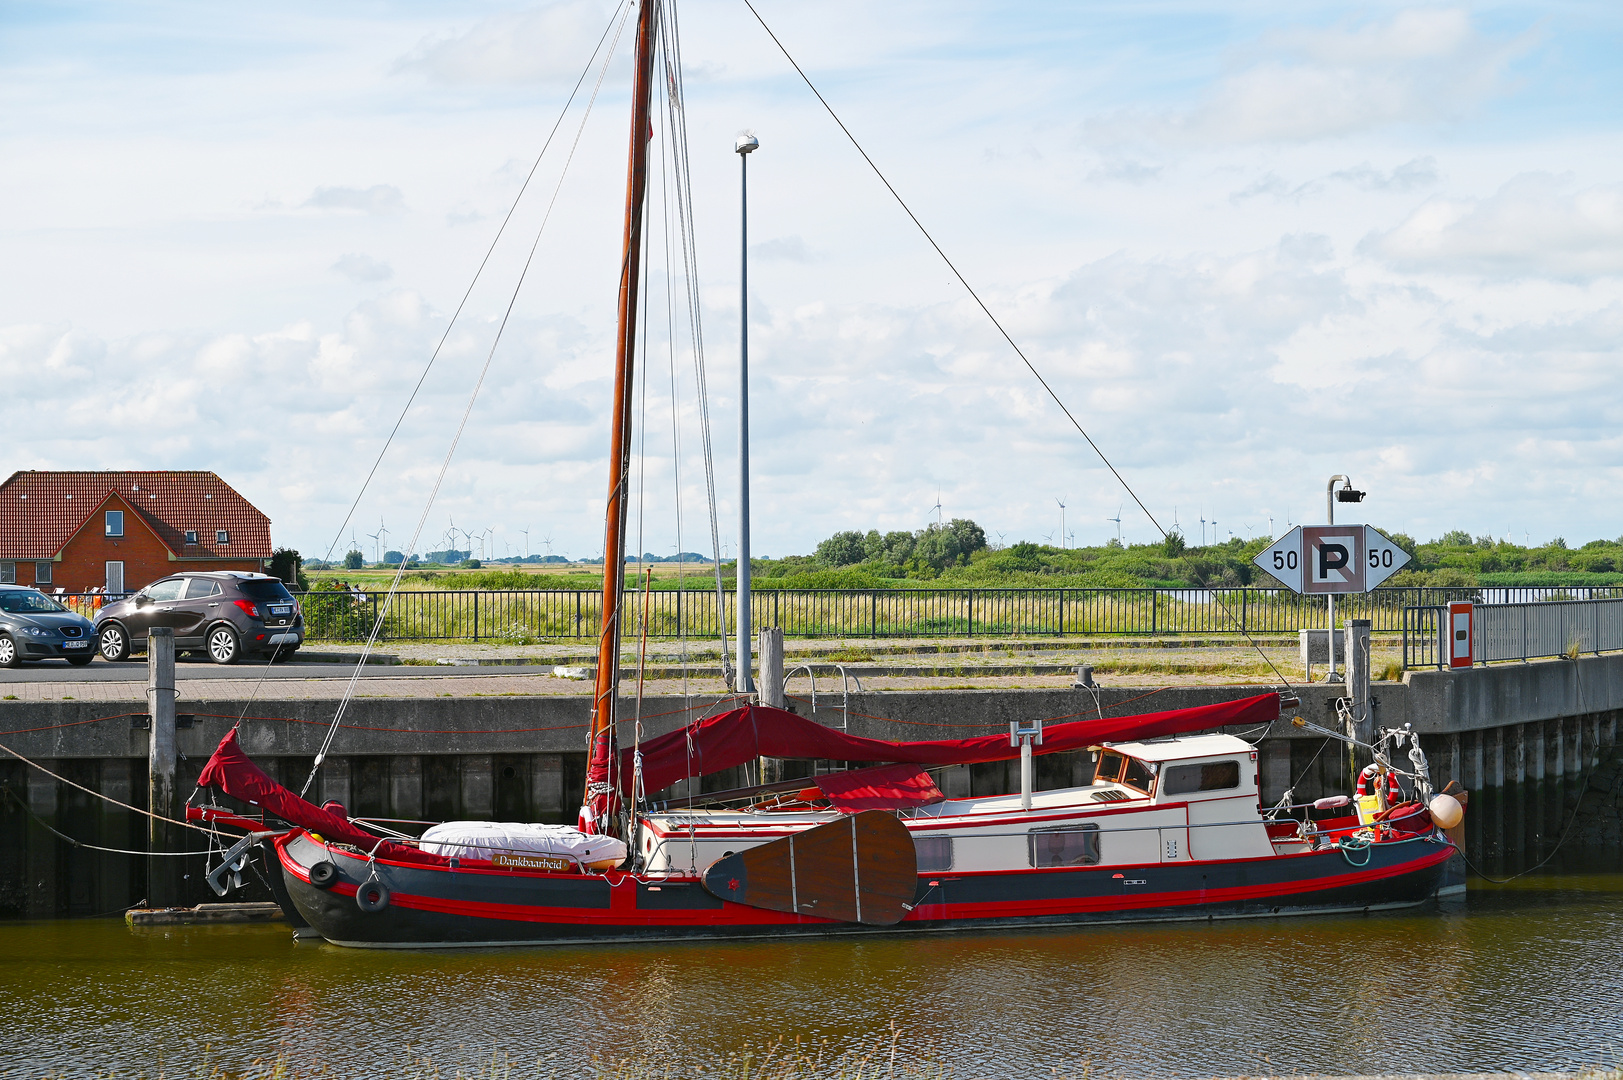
[532, 862]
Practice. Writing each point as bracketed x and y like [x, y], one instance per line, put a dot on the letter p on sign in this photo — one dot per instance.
[1334, 557]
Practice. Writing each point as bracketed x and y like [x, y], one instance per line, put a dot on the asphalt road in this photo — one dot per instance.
[60, 671]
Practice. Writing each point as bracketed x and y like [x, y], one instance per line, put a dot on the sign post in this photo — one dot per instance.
[1332, 560]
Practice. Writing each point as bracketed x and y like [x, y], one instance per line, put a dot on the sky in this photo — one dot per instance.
[1248, 245]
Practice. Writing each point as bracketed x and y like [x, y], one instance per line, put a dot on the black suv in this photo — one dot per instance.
[226, 614]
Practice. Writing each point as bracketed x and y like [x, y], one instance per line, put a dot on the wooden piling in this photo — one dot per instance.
[163, 872]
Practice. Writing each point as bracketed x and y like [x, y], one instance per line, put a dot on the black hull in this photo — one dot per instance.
[438, 908]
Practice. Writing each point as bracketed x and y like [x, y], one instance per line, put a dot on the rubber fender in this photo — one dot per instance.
[372, 897]
[323, 874]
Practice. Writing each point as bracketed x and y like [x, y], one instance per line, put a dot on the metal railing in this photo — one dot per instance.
[1519, 631]
[522, 616]
[1423, 644]
[1525, 622]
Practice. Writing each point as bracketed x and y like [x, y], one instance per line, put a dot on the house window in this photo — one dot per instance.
[222, 537]
[191, 536]
[42, 573]
[115, 577]
[8, 573]
[115, 523]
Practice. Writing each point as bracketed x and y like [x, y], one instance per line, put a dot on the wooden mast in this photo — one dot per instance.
[598, 802]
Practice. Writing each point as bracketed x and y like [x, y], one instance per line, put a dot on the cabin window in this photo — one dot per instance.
[1138, 775]
[1109, 771]
[222, 537]
[42, 573]
[115, 523]
[8, 573]
[934, 853]
[1064, 845]
[191, 536]
[1204, 776]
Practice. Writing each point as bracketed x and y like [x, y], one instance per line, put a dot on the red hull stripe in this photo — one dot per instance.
[623, 911]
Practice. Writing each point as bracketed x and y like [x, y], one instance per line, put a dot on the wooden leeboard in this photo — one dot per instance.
[859, 869]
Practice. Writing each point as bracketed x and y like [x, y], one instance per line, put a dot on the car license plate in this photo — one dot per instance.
[76, 644]
[281, 609]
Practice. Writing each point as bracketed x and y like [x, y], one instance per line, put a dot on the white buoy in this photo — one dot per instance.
[1446, 811]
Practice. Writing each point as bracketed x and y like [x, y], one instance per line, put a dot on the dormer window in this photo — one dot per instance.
[222, 537]
[115, 523]
[191, 536]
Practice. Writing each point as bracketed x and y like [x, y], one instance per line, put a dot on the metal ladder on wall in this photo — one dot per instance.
[822, 767]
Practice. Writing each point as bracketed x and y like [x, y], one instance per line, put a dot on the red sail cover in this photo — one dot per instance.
[889, 787]
[754, 731]
[231, 771]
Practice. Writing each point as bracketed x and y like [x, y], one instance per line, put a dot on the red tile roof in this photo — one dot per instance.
[41, 511]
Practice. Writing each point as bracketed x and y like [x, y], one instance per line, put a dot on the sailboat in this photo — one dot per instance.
[1169, 825]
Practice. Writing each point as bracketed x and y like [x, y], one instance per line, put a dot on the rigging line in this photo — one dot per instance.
[383, 609]
[994, 319]
[76, 842]
[953, 267]
[587, 70]
[683, 173]
[670, 355]
[104, 798]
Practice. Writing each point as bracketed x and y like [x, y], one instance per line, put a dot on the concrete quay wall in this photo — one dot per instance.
[1530, 741]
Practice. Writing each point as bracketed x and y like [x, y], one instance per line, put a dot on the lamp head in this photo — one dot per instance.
[1350, 495]
[746, 143]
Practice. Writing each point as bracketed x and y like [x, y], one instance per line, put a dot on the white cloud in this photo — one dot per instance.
[539, 45]
[782, 249]
[1413, 174]
[1534, 225]
[1421, 66]
[363, 269]
[377, 199]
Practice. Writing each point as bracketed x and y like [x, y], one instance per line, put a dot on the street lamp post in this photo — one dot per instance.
[744, 146]
[1347, 493]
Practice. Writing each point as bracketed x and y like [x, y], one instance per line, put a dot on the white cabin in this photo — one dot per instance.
[1168, 800]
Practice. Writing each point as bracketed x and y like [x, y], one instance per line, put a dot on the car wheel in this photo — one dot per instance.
[113, 643]
[224, 645]
[10, 655]
[81, 661]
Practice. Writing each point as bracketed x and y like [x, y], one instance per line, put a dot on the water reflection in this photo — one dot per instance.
[1518, 977]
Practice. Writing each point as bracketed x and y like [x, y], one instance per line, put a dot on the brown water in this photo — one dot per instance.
[1522, 977]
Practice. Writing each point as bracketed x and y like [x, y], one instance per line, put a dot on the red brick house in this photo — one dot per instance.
[118, 531]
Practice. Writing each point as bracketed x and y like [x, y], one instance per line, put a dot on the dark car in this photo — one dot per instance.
[35, 627]
[226, 614]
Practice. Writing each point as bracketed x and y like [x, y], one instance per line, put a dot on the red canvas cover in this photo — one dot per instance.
[233, 772]
[753, 731]
[889, 787]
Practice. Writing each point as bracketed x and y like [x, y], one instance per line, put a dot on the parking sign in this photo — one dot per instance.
[1333, 559]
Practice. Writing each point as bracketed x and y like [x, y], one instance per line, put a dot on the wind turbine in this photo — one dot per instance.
[547, 543]
[377, 553]
[1117, 520]
[1061, 523]
[526, 533]
[1203, 528]
[936, 509]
